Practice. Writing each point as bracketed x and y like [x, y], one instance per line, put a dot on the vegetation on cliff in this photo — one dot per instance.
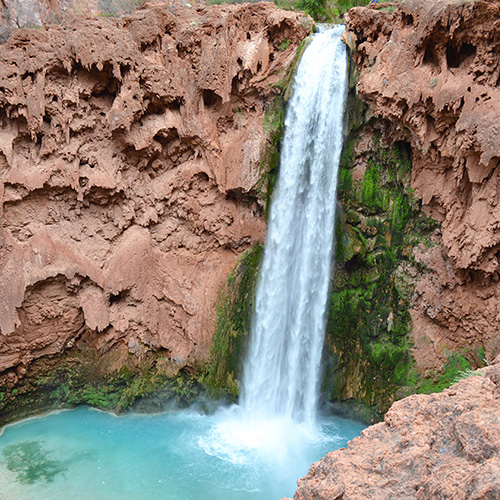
[369, 319]
[380, 223]
[324, 10]
[82, 375]
[234, 314]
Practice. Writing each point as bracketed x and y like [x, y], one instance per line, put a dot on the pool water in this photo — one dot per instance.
[88, 454]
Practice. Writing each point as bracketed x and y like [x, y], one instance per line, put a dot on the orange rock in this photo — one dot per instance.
[130, 153]
[432, 447]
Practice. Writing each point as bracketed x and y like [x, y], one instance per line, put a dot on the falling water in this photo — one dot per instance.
[281, 373]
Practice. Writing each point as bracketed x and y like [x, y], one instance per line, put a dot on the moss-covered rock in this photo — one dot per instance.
[273, 127]
[104, 380]
[234, 313]
[367, 341]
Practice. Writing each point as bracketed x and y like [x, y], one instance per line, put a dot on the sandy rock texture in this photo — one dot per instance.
[130, 174]
[430, 447]
[429, 70]
[34, 13]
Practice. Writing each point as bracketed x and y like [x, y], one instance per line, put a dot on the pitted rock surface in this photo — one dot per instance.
[429, 447]
[430, 74]
[130, 174]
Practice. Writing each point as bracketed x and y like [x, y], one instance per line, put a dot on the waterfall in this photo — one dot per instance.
[282, 369]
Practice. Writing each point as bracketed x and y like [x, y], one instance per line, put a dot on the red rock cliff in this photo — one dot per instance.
[130, 153]
[430, 73]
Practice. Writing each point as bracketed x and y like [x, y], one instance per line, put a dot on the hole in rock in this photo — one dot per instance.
[407, 20]
[405, 149]
[210, 98]
[456, 58]
[116, 297]
[235, 86]
[430, 56]
[166, 136]
[200, 178]
[259, 67]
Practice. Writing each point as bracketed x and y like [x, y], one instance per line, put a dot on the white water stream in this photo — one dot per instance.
[276, 421]
[282, 371]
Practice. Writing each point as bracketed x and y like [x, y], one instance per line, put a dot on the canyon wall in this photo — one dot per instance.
[430, 71]
[132, 175]
[419, 191]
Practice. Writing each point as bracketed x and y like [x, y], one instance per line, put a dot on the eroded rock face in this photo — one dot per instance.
[430, 70]
[432, 447]
[130, 175]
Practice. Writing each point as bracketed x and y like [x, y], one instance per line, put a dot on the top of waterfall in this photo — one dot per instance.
[322, 27]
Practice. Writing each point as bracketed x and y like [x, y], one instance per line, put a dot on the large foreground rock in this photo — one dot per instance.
[430, 447]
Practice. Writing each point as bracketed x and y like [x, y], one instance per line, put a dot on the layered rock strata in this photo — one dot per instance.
[429, 447]
[429, 72]
[131, 175]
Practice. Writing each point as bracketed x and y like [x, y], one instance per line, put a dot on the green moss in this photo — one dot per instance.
[84, 376]
[284, 45]
[371, 198]
[119, 390]
[369, 352]
[288, 83]
[456, 368]
[273, 127]
[234, 311]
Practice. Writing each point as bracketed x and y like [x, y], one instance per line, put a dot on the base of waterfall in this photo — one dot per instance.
[84, 453]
